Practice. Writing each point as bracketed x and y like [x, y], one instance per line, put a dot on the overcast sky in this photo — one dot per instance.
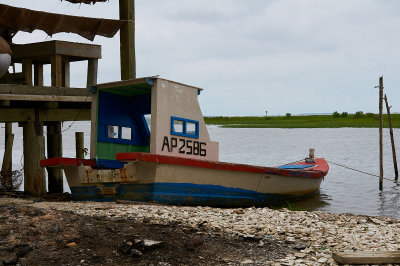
[309, 56]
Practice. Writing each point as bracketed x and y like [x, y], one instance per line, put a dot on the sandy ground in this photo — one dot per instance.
[34, 231]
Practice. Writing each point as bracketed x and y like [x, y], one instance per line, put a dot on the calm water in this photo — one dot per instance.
[342, 190]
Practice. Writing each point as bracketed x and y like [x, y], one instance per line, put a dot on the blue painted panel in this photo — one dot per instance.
[296, 166]
[184, 194]
[109, 164]
[123, 111]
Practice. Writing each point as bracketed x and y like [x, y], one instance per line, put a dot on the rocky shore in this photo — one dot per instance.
[236, 236]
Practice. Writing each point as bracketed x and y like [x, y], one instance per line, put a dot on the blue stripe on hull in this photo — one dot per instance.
[180, 194]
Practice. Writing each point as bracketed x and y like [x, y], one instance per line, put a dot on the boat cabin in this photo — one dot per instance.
[149, 114]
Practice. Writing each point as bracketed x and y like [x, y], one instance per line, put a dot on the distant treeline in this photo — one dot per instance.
[335, 120]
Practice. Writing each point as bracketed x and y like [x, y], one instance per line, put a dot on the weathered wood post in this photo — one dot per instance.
[54, 136]
[79, 145]
[34, 178]
[396, 172]
[6, 168]
[92, 80]
[127, 39]
[92, 72]
[380, 133]
[34, 175]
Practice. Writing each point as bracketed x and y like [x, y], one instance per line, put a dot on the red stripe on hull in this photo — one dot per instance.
[320, 170]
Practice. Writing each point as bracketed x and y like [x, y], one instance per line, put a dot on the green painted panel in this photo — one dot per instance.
[109, 150]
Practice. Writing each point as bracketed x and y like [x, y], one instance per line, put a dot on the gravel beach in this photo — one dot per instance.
[292, 237]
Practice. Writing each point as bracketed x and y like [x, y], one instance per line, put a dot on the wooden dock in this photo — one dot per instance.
[25, 100]
[23, 103]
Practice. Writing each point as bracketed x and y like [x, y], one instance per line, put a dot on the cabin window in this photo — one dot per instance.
[126, 133]
[178, 126]
[184, 127]
[191, 128]
[112, 132]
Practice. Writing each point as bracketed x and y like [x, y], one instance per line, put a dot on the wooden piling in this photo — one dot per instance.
[54, 150]
[127, 39]
[7, 159]
[33, 142]
[59, 77]
[6, 168]
[396, 171]
[380, 133]
[34, 177]
[79, 145]
[8, 134]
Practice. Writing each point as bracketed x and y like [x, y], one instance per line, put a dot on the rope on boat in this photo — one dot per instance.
[350, 168]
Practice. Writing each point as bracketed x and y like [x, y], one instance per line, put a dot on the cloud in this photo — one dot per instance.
[287, 56]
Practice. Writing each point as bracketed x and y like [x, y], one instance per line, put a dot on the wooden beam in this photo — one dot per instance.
[28, 114]
[50, 105]
[127, 39]
[92, 72]
[13, 78]
[5, 103]
[43, 50]
[56, 71]
[27, 70]
[42, 90]
[64, 115]
[44, 98]
[367, 257]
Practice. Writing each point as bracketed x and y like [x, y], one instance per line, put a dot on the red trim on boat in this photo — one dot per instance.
[60, 161]
[320, 170]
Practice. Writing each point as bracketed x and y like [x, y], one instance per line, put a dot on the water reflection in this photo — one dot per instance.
[343, 190]
[314, 202]
[389, 201]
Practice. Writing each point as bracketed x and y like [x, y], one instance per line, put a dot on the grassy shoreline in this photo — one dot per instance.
[311, 121]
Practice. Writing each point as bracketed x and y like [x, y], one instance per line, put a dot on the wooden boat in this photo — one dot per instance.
[172, 159]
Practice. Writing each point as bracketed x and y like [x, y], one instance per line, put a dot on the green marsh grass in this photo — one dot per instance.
[312, 121]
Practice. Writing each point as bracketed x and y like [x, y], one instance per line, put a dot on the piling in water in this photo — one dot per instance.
[396, 172]
[380, 133]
